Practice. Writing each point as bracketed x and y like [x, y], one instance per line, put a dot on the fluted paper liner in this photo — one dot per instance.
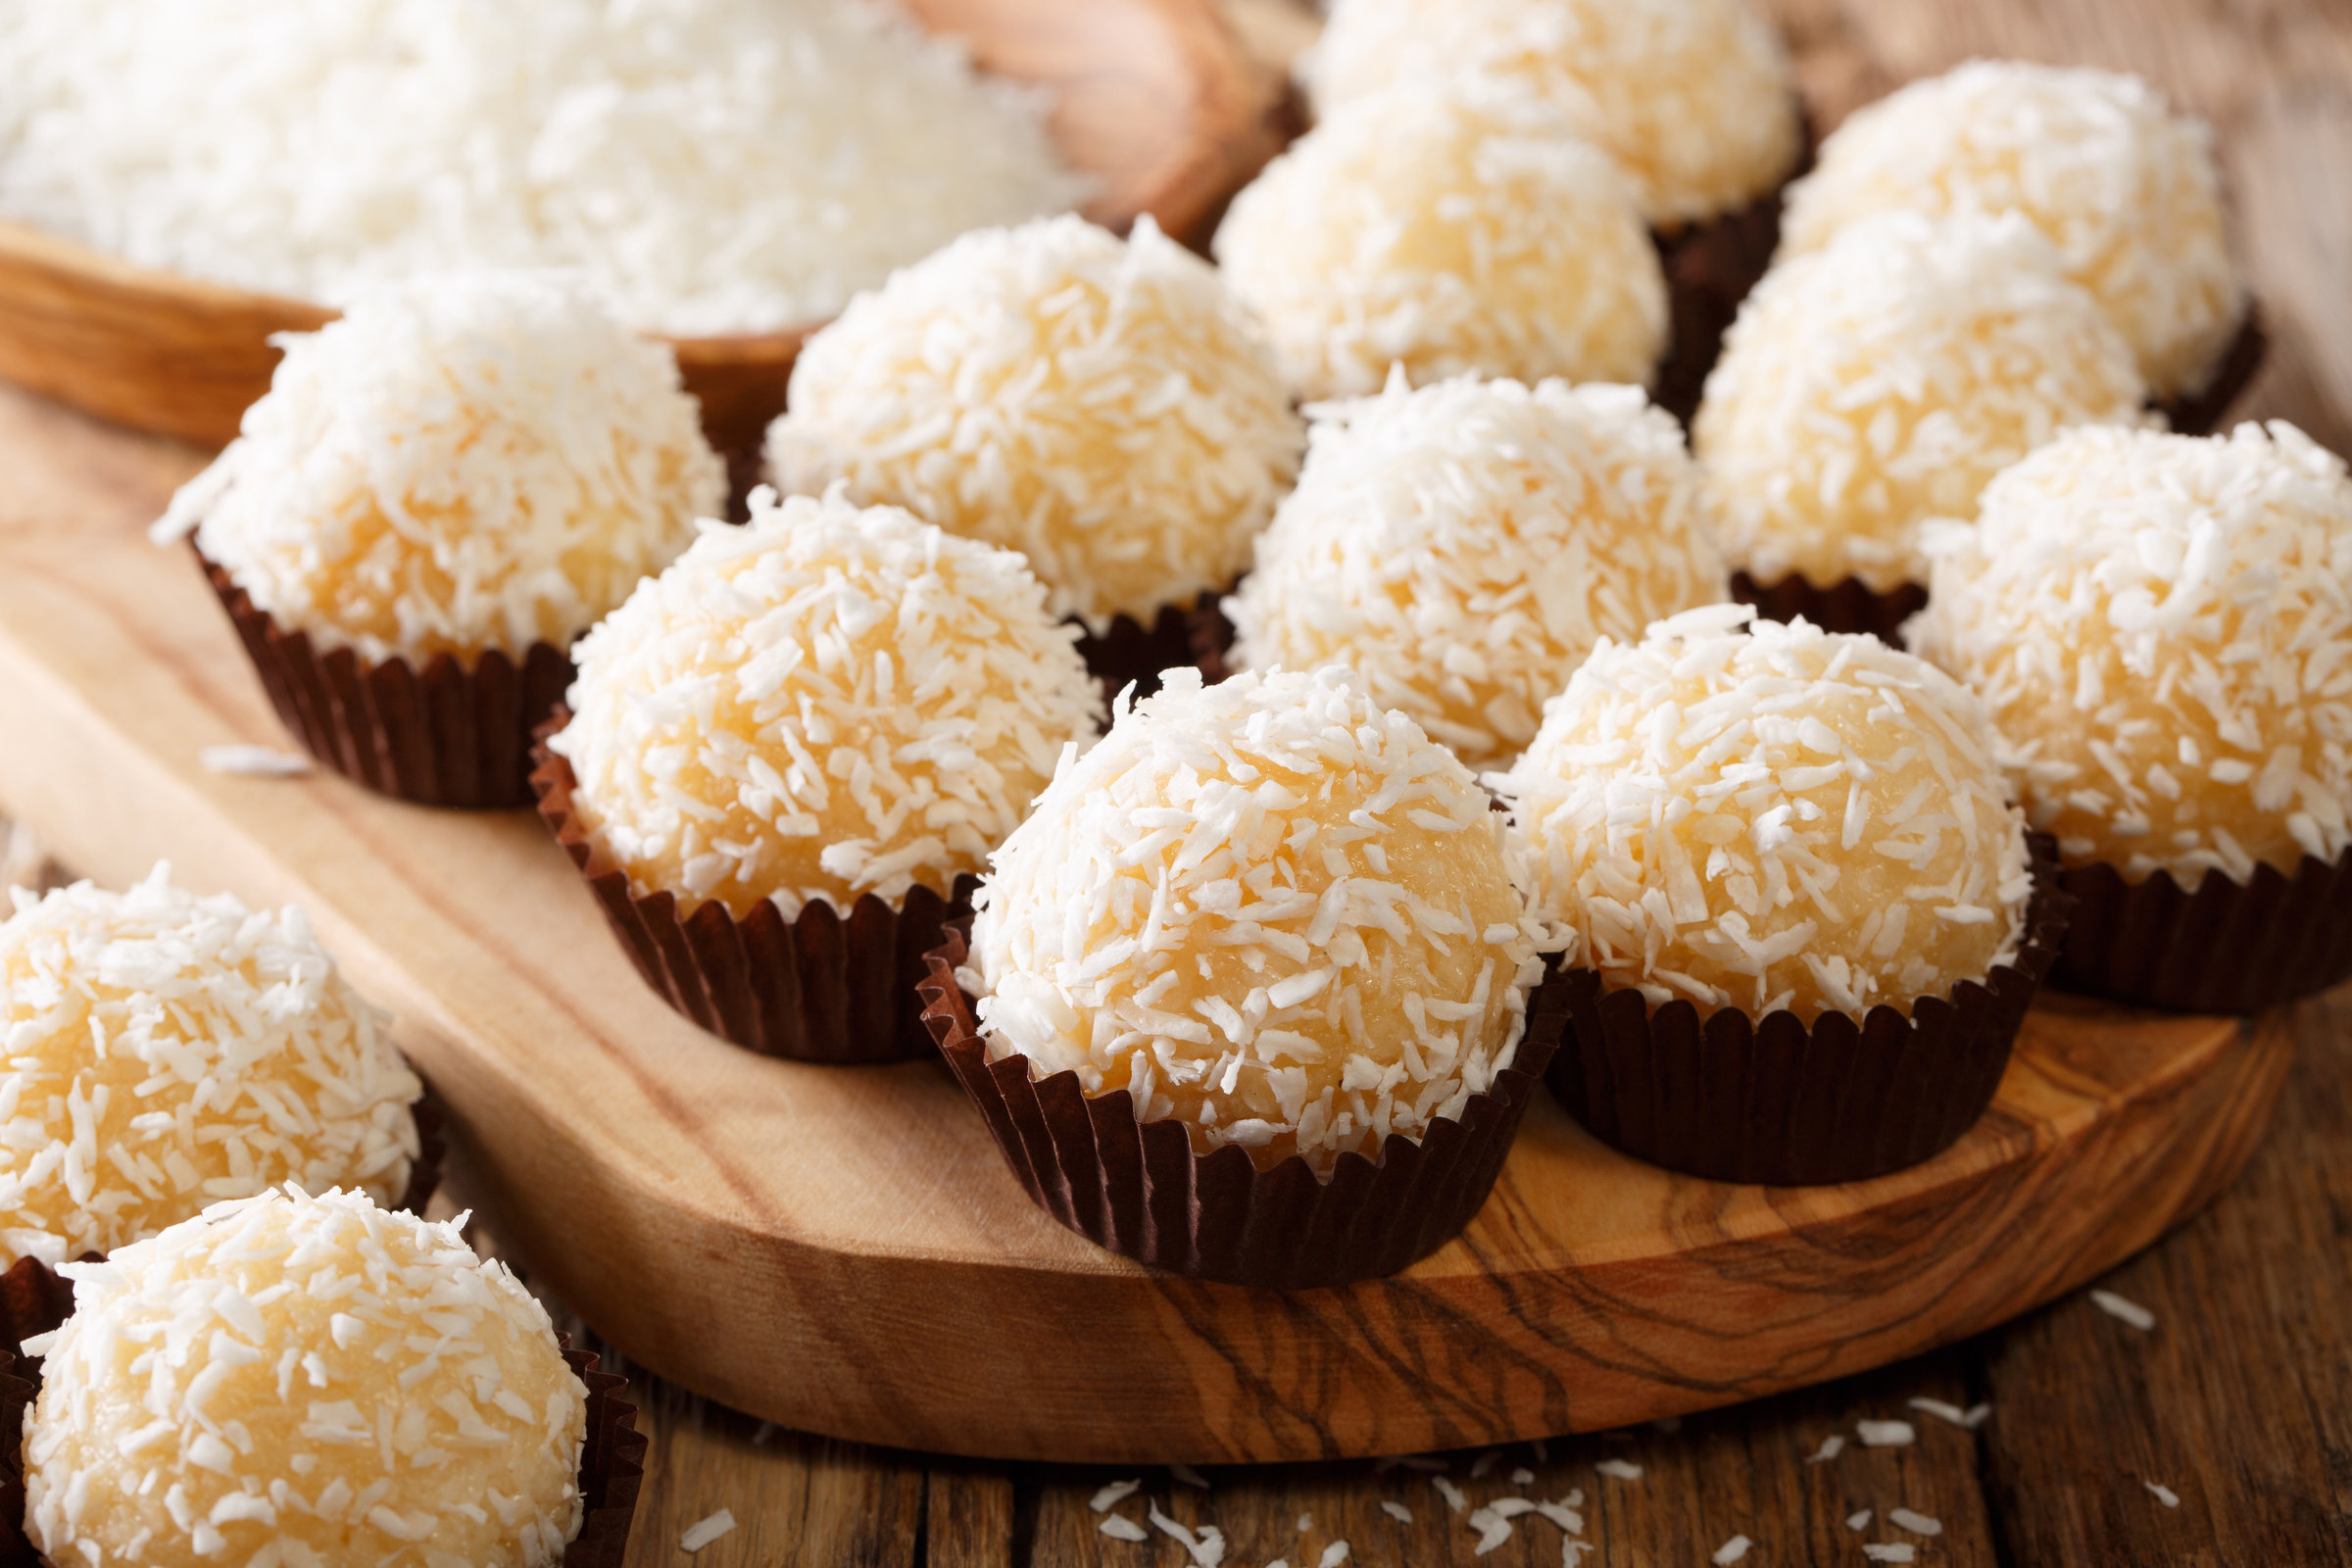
[1131, 650]
[2202, 412]
[1787, 1105]
[443, 735]
[815, 988]
[34, 1299]
[1850, 606]
[2227, 946]
[1139, 1188]
[611, 1460]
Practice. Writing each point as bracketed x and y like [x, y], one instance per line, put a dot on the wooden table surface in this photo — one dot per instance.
[2239, 1400]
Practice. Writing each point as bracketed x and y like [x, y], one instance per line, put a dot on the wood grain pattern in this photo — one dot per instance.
[1156, 103]
[838, 1250]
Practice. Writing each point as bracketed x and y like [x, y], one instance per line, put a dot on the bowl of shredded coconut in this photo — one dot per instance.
[179, 180]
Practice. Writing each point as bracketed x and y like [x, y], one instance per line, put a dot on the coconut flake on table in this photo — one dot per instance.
[1731, 1552]
[1619, 1469]
[1919, 1524]
[1456, 1499]
[704, 1531]
[1830, 1448]
[2123, 1309]
[1969, 1419]
[1876, 1552]
[718, 165]
[1334, 1556]
[252, 761]
[1120, 1527]
[1886, 1433]
[1113, 1494]
[2160, 1492]
[1859, 1519]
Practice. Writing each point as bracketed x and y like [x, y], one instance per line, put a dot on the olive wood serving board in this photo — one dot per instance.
[842, 1250]
[1156, 102]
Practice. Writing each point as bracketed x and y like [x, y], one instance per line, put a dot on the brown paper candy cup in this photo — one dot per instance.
[2227, 946]
[815, 988]
[19, 1385]
[611, 1464]
[1133, 652]
[1733, 1100]
[34, 1299]
[2202, 412]
[1139, 1188]
[445, 735]
[1850, 606]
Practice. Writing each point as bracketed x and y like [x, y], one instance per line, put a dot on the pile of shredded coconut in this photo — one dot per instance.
[479, 462]
[2128, 191]
[1694, 99]
[718, 165]
[2162, 628]
[825, 703]
[1882, 381]
[1465, 547]
[1101, 404]
[162, 1052]
[1448, 227]
[1267, 908]
[1780, 818]
[300, 1380]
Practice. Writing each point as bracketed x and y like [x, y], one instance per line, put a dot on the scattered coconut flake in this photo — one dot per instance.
[1563, 1513]
[1110, 1495]
[1455, 1498]
[1620, 1469]
[1971, 1418]
[1830, 1448]
[2156, 1489]
[1492, 1530]
[1886, 1433]
[2123, 1309]
[703, 1532]
[1731, 1552]
[252, 761]
[1523, 1477]
[1333, 1555]
[1118, 1526]
[1206, 1545]
[1572, 1553]
[1877, 1553]
[1307, 1522]
[1188, 1476]
[1919, 1524]
[1858, 1520]
[1396, 1511]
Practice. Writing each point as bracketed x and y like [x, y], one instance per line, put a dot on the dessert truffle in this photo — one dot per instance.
[461, 464]
[293, 1380]
[1693, 99]
[1882, 379]
[825, 703]
[1463, 547]
[1460, 226]
[1784, 818]
[2161, 626]
[165, 1051]
[2128, 191]
[1101, 404]
[1268, 908]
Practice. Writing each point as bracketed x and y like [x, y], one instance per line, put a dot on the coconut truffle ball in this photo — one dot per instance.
[160, 1052]
[1465, 547]
[1101, 404]
[1449, 229]
[1883, 380]
[303, 1380]
[828, 702]
[2162, 629]
[458, 465]
[2128, 191]
[1693, 99]
[1785, 818]
[1269, 909]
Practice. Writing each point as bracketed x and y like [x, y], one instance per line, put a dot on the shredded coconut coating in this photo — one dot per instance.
[1269, 909]
[1694, 99]
[1884, 378]
[2128, 191]
[2162, 629]
[1463, 547]
[717, 166]
[458, 465]
[165, 1051]
[305, 1382]
[1785, 818]
[825, 703]
[1101, 404]
[1449, 229]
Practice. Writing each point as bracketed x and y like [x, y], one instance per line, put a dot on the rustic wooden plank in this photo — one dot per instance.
[968, 1515]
